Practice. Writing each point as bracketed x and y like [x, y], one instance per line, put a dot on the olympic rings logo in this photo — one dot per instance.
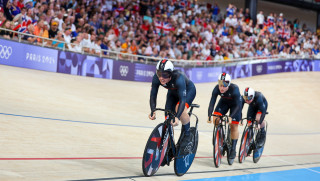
[5, 51]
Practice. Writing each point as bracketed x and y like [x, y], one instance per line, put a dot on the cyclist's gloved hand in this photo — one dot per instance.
[241, 123]
[153, 117]
[209, 120]
[229, 120]
[175, 123]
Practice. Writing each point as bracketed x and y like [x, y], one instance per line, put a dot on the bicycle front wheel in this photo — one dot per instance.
[244, 146]
[154, 153]
[217, 145]
[182, 163]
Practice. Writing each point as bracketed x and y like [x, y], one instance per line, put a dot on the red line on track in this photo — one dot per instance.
[75, 158]
[132, 158]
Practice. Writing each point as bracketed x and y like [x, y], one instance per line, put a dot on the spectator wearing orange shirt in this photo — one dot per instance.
[133, 47]
[39, 30]
[125, 46]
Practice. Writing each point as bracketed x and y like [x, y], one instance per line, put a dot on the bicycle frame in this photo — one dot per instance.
[169, 128]
[248, 141]
[253, 127]
[168, 132]
[223, 124]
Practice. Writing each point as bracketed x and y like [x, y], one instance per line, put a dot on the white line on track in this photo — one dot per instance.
[296, 165]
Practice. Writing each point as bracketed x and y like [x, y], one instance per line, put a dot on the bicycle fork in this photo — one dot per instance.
[171, 151]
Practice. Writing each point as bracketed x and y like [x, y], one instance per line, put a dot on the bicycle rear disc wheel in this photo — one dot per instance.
[257, 153]
[217, 146]
[154, 153]
[183, 163]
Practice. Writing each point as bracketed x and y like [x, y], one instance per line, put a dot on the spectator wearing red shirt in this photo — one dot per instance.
[293, 39]
[145, 26]
[20, 4]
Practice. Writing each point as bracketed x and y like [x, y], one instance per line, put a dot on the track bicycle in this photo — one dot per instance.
[221, 140]
[251, 134]
[161, 149]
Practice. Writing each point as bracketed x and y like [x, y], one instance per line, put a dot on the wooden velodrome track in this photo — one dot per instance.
[63, 127]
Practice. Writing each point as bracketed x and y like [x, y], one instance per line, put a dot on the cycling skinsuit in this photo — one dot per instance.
[259, 105]
[231, 99]
[181, 91]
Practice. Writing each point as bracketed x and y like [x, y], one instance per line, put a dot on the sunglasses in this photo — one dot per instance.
[164, 75]
[223, 83]
[247, 98]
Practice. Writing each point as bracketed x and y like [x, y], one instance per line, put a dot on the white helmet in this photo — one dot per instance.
[248, 94]
[224, 79]
[164, 68]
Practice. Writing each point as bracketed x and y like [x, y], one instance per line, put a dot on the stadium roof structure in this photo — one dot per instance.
[305, 4]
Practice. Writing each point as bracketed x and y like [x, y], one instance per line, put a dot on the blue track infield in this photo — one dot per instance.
[307, 174]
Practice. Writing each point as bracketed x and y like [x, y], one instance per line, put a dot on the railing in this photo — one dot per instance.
[18, 36]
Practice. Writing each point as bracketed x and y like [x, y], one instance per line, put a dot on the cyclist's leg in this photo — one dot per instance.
[234, 128]
[221, 109]
[258, 116]
[171, 101]
[188, 139]
[262, 137]
[251, 114]
[184, 118]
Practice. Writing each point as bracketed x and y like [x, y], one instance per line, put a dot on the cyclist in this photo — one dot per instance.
[230, 99]
[181, 93]
[257, 109]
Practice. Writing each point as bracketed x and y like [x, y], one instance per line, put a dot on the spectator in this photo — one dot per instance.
[230, 10]
[67, 35]
[58, 41]
[86, 42]
[20, 4]
[247, 16]
[53, 31]
[105, 45]
[95, 47]
[125, 45]
[7, 34]
[260, 19]
[75, 45]
[205, 52]
[133, 47]
[14, 8]
[30, 32]
[2, 18]
[215, 12]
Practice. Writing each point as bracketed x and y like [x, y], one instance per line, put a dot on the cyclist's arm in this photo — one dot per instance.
[182, 93]
[154, 92]
[262, 108]
[215, 93]
[238, 101]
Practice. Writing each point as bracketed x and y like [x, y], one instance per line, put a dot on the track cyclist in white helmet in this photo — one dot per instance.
[257, 109]
[181, 93]
[230, 99]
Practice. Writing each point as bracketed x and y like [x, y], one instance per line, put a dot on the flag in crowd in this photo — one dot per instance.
[165, 26]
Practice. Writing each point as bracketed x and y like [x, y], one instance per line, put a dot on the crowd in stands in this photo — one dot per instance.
[176, 29]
